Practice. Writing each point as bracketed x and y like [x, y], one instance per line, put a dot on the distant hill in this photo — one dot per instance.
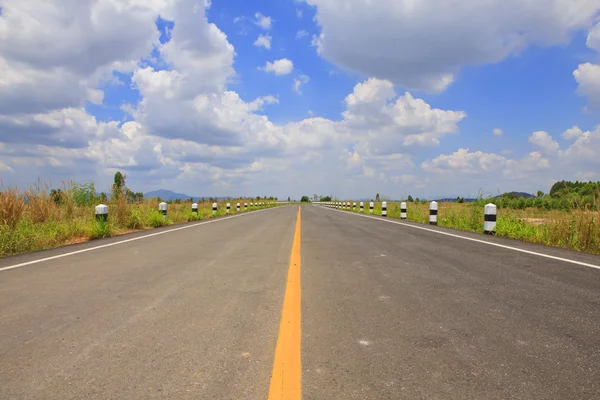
[516, 194]
[169, 195]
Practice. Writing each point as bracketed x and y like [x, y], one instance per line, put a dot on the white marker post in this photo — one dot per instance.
[403, 210]
[362, 207]
[433, 212]
[195, 208]
[489, 224]
[354, 206]
[245, 206]
[237, 207]
[162, 207]
[371, 207]
[348, 206]
[214, 208]
[228, 208]
[384, 209]
[101, 213]
[251, 205]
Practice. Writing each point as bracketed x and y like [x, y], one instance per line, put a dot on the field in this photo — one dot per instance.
[576, 229]
[38, 219]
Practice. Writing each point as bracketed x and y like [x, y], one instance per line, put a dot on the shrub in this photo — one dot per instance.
[101, 229]
[155, 219]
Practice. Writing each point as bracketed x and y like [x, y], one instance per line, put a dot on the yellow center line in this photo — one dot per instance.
[287, 367]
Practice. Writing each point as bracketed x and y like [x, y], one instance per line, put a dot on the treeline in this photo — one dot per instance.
[564, 195]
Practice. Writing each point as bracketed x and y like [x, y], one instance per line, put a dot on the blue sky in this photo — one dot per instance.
[391, 95]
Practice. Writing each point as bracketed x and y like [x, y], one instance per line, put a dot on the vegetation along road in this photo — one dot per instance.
[300, 302]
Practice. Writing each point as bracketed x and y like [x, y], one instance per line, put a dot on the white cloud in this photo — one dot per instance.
[588, 77]
[263, 21]
[298, 82]
[301, 33]
[42, 53]
[593, 39]
[299, 13]
[191, 130]
[497, 132]
[572, 133]
[424, 44]
[544, 141]
[279, 67]
[263, 41]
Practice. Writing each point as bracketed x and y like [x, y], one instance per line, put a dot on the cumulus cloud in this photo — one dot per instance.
[572, 133]
[587, 74]
[192, 133]
[263, 41]
[497, 132]
[534, 170]
[279, 67]
[263, 21]
[544, 141]
[424, 44]
[41, 53]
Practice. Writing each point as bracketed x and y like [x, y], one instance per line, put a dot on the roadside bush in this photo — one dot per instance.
[155, 219]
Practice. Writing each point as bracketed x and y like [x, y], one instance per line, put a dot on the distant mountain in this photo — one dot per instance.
[168, 195]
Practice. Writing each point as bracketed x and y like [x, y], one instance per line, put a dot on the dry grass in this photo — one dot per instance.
[576, 229]
[12, 207]
[35, 220]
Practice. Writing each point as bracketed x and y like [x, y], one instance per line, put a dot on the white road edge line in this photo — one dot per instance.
[130, 240]
[471, 239]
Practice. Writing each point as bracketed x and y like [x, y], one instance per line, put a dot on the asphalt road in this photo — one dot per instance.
[387, 312]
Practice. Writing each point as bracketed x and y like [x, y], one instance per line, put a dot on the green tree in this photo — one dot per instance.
[377, 198]
[410, 198]
[305, 199]
[118, 188]
[84, 193]
[289, 198]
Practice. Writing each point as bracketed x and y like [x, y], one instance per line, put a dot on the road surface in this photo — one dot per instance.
[387, 311]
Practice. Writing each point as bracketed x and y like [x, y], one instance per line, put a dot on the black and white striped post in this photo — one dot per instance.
[348, 206]
[228, 208]
[354, 206]
[362, 207]
[245, 206]
[371, 207]
[237, 207]
[162, 207]
[489, 224]
[195, 208]
[384, 209]
[433, 212]
[101, 213]
[214, 207]
[403, 210]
